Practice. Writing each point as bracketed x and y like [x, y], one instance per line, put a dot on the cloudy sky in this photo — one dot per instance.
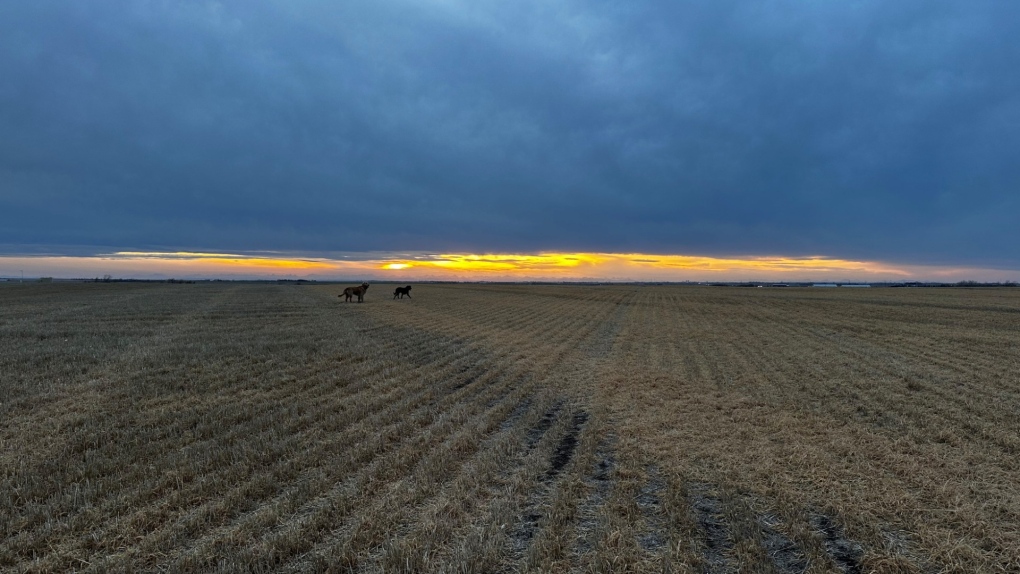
[858, 130]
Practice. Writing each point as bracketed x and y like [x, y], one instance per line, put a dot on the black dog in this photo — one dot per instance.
[401, 291]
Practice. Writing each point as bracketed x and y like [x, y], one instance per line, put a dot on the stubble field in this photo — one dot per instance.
[493, 428]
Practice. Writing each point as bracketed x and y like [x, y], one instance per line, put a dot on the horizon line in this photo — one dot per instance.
[551, 266]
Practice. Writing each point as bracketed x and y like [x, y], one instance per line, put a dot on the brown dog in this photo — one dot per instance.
[352, 291]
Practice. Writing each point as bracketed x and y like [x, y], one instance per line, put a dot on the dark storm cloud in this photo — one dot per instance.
[851, 129]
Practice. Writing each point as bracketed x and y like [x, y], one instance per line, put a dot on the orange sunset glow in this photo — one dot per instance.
[574, 265]
[552, 266]
[226, 260]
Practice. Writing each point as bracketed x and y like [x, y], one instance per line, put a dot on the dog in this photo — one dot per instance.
[352, 291]
[402, 291]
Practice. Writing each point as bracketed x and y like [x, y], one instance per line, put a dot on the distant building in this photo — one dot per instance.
[825, 285]
[856, 285]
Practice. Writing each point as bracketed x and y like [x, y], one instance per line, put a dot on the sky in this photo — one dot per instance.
[673, 139]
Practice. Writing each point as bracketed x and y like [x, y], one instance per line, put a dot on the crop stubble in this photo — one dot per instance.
[482, 428]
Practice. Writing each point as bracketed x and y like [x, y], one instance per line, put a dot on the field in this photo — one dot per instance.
[493, 428]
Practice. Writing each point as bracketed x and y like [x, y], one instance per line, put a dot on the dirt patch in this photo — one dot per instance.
[470, 375]
[464, 383]
[708, 510]
[523, 532]
[520, 537]
[528, 524]
[527, 528]
[844, 552]
[516, 414]
[784, 552]
[568, 444]
[649, 500]
[600, 485]
[538, 431]
[606, 462]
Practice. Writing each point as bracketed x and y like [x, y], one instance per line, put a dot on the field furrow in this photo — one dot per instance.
[229, 427]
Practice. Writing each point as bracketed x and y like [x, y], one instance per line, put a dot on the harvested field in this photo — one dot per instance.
[493, 428]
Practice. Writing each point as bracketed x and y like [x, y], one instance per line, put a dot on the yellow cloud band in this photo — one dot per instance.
[548, 266]
[593, 262]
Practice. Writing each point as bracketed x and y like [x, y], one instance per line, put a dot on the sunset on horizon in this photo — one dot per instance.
[547, 267]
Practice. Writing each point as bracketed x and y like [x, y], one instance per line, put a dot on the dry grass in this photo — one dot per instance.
[501, 429]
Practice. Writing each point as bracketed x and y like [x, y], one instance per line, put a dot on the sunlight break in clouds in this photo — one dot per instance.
[483, 267]
[227, 260]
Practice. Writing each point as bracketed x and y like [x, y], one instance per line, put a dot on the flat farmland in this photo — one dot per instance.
[496, 428]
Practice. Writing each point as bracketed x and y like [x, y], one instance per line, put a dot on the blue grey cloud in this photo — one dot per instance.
[860, 129]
